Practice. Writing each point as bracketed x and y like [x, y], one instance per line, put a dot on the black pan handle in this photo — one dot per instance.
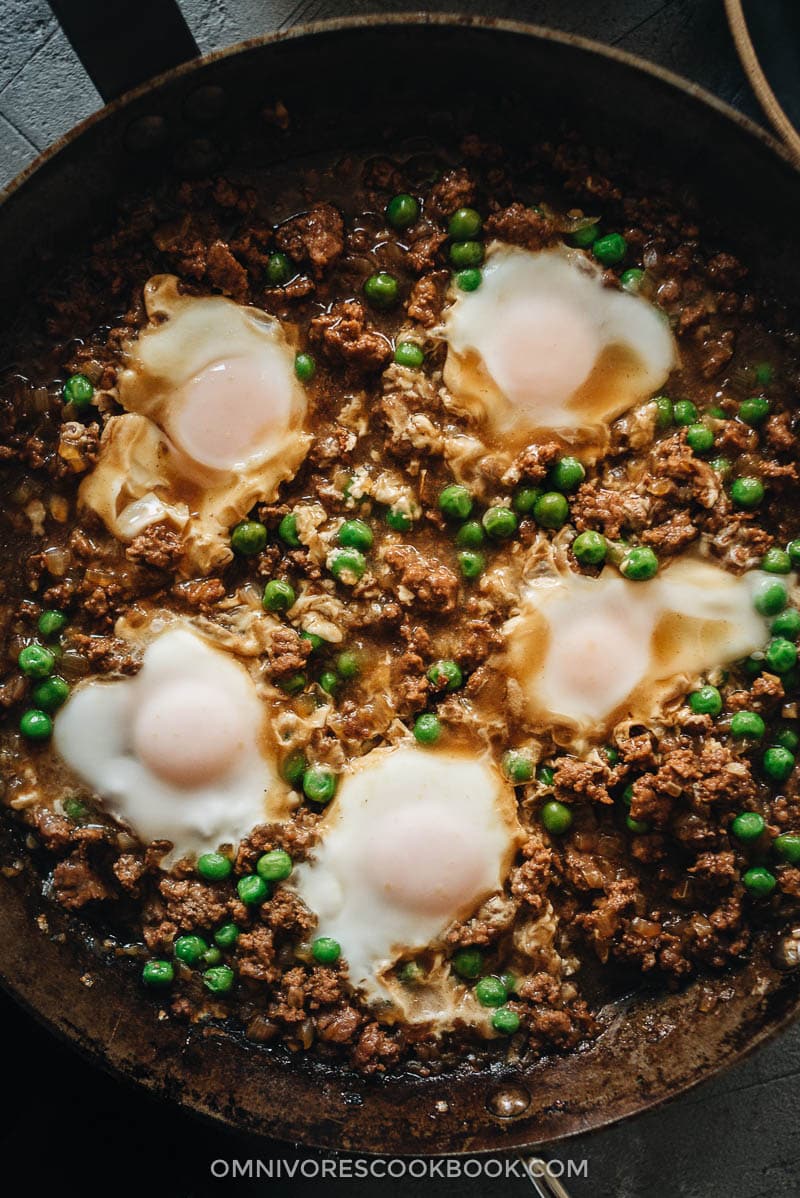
[123, 43]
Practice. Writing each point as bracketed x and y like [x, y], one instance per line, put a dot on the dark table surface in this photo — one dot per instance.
[733, 1137]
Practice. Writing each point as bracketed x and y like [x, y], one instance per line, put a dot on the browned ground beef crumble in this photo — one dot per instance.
[666, 903]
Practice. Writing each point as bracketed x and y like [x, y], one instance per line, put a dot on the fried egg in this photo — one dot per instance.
[545, 346]
[178, 752]
[414, 840]
[213, 422]
[588, 652]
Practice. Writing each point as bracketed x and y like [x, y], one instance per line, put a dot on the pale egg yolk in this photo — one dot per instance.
[188, 732]
[543, 351]
[229, 411]
[422, 861]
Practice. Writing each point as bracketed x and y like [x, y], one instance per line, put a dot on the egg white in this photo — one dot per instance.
[588, 652]
[545, 346]
[110, 732]
[214, 422]
[414, 840]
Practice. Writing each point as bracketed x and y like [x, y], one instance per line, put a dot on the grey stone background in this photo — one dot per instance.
[733, 1137]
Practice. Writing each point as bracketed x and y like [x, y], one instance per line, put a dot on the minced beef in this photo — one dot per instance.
[648, 875]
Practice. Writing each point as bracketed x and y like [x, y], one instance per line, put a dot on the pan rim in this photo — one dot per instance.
[507, 1141]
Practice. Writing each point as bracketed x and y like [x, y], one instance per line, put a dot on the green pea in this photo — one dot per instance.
[75, 810]
[500, 523]
[464, 255]
[305, 367]
[517, 767]
[465, 224]
[398, 520]
[50, 693]
[632, 279]
[329, 681]
[35, 725]
[325, 950]
[279, 270]
[427, 728]
[468, 962]
[445, 675]
[722, 467]
[347, 566]
[158, 974]
[278, 596]
[771, 598]
[402, 211]
[219, 980]
[294, 766]
[747, 493]
[505, 1021]
[490, 992]
[590, 548]
[524, 500]
[716, 413]
[252, 889]
[470, 535]
[214, 867]
[610, 249]
[287, 531]
[455, 502]
[748, 826]
[551, 510]
[348, 665]
[567, 474]
[212, 956]
[585, 236]
[638, 826]
[747, 723]
[788, 739]
[294, 684]
[639, 564]
[754, 411]
[764, 373]
[684, 412]
[706, 701]
[753, 665]
[472, 564]
[759, 881]
[469, 280]
[227, 935]
[316, 642]
[793, 549]
[780, 654]
[319, 784]
[699, 438]
[51, 623]
[787, 846]
[546, 775]
[406, 353]
[78, 390]
[381, 290]
[248, 537]
[778, 763]
[627, 794]
[355, 534]
[776, 561]
[411, 973]
[665, 411]
[556, 817]
[787, 624]
[36, 661]
[611, 754]
[274, 866]
[190, 949]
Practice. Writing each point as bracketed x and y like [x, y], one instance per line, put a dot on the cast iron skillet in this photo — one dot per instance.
[349, 84]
